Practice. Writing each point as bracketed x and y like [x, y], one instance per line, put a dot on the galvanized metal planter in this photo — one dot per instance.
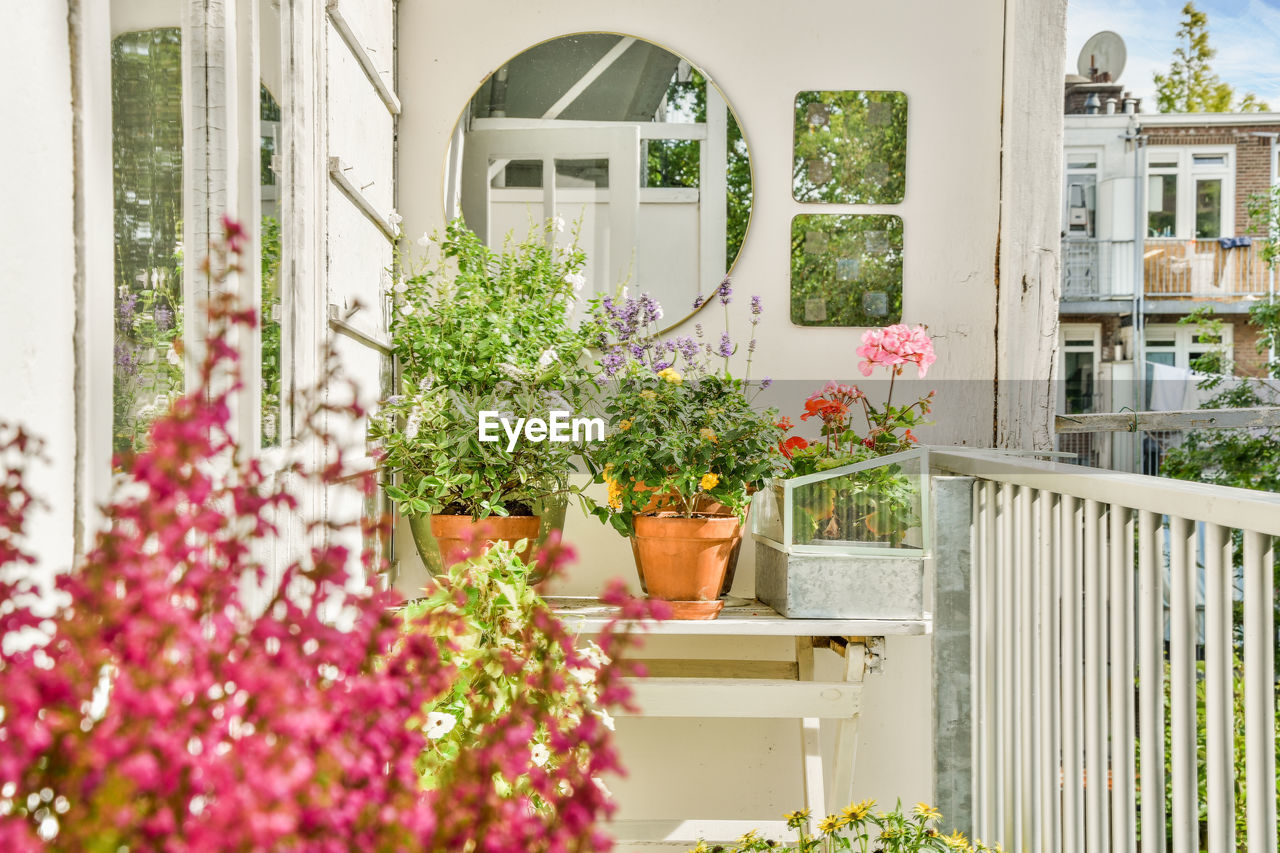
[849, 543]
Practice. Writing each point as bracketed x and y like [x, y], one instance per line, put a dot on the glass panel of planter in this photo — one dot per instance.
[876, 507]
[846, 270]
[850, 147]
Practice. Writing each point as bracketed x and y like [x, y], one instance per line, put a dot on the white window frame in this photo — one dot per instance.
[1183, 339]
[1068, 171]
[1078, 331]
[1188, 172]
[221, 157]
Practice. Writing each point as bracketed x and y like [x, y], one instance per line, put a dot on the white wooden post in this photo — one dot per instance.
[1030, 184]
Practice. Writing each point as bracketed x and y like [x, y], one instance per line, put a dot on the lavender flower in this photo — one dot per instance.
[725, 290]
[688, 347]
[697, 328]
[756, 307]
[127, 308]
[726, 345]
[751, 345]
[697, 302]
[659, 366]
[126, 359]
[164, 318]
[650, 309]
[765, 383]
[612, 362]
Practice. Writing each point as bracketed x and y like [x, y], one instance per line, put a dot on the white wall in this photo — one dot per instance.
[947, 58]
[37, 261]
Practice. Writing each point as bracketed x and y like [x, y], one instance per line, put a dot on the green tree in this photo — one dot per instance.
[1191, 86]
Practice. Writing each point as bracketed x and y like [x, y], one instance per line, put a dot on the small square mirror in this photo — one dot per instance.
[846, 270]
[850, 147]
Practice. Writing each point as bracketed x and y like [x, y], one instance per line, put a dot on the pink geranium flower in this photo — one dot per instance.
[894, 346]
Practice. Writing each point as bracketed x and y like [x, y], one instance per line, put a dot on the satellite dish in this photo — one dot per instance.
[1104, 52]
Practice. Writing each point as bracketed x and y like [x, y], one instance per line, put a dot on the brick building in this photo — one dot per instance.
[1198, 247]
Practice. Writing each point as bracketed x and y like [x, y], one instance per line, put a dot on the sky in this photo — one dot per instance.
[1245, 33]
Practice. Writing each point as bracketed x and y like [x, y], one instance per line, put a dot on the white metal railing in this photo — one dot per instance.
[1070, 651]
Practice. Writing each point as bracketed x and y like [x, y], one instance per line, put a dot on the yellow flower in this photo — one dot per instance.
[858, 811]
[701, 848]
[956, 841]
[709, 482]
[797, 819]
[926, 811]
[709, 434]
[649, 394]
[671, 375]
[829, 824]
[624, 425]
[749, 838]
[615, 491]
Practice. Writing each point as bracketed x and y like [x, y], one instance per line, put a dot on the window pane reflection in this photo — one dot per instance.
[146, 100]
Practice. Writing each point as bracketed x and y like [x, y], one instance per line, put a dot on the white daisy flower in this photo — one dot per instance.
[425, 240]
[547, 357]
[439, 725]
[577, 279]
[539, 754]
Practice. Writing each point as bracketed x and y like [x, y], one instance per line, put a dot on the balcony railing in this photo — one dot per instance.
[1094, 269]
[1078, 679]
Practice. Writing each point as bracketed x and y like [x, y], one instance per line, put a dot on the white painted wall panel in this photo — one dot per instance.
[37, 262]
[360, 127]
[947, 58]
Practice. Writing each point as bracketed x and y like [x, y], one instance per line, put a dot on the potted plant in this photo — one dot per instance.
[685, 451]
[482, 332]
[843, 534]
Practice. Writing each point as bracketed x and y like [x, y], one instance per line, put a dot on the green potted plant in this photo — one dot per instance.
[480, 335]
[686, 450]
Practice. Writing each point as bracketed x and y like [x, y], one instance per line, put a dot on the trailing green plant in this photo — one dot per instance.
[684, 430]
[474, 330]
[511, 661]
[860, 828]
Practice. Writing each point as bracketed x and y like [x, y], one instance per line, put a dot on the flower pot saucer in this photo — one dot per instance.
[704, 610]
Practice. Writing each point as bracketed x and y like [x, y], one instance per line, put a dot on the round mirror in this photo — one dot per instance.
[631, 145]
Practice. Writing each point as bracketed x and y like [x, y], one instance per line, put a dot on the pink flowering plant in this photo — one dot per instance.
[852, 427]
[146, 702]
[876, 504]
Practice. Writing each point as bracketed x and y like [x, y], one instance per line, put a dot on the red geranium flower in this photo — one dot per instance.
[793, 443]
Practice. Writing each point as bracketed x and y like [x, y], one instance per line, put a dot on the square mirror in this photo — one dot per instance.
[850, 147]
[846, 270]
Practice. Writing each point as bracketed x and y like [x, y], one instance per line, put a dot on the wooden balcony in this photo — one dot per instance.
[1202, 269]
[1173, 269]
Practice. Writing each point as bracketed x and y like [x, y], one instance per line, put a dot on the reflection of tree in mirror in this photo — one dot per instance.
[146, 100]
[675, 162]
[846, 270]
[850, 147]
[270, 402]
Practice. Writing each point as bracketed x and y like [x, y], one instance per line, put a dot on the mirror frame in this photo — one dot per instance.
[751, 170]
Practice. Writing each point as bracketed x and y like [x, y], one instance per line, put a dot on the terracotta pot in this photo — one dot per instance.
[685, 559]
[443, 538]
[702, 504]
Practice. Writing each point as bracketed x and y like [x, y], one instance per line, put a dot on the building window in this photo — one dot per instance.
[1179, 346]
[1079, 368]
[146, 116]
[1081, 194]
[1190, 194]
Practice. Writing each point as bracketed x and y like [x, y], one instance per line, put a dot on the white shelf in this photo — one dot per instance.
[740, 617]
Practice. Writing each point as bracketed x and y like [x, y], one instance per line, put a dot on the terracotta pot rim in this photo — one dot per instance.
[486, 518]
